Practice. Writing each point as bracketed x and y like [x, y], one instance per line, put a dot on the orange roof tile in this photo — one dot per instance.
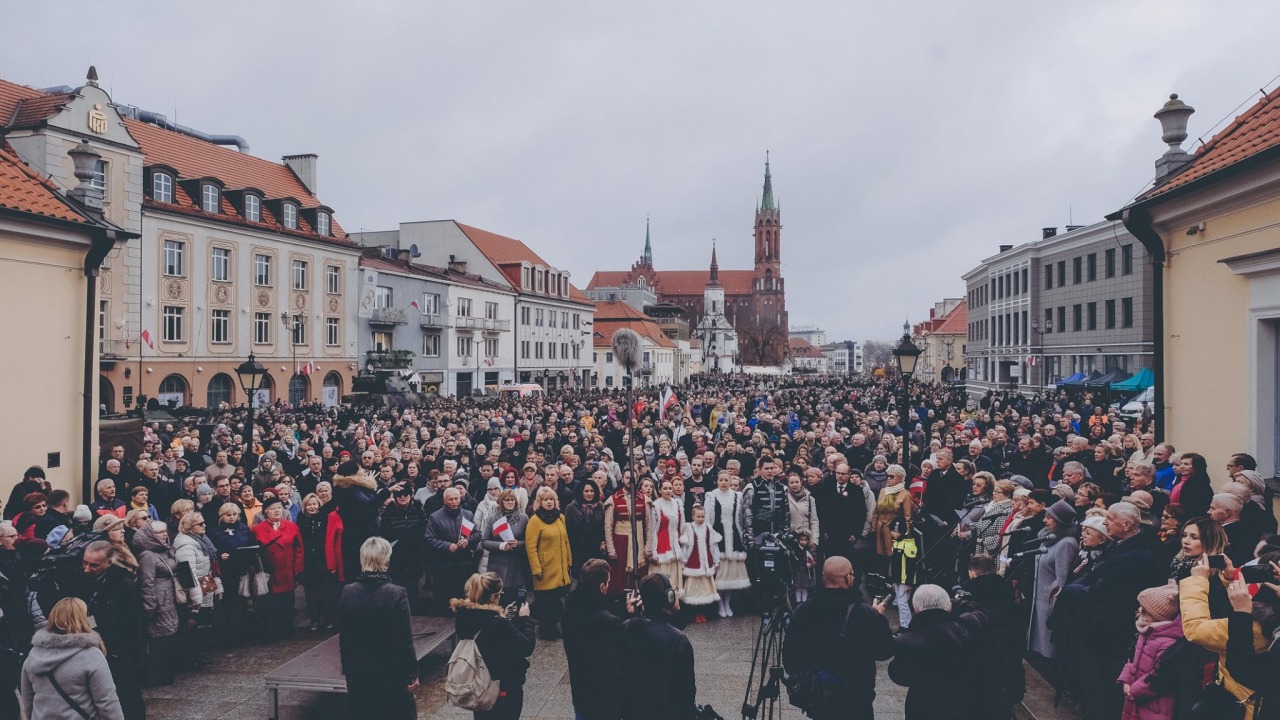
[679, 282]
[801, 348]
[21, 189]
[508, 253]
[613, 315]
[12, 95]
[617, 310]
[33, 110]
[1256, 130]
[955, 322]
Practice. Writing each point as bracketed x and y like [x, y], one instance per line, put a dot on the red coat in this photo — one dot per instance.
[283, 559]
[333, 546]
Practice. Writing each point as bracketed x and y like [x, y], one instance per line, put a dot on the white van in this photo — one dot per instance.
[523, 390]
[1133, 409]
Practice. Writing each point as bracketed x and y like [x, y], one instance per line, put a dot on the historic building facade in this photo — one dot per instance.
[755, 301]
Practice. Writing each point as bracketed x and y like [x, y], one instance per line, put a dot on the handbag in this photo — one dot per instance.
[255, 582]
[1217, 703]
[74, 705]
[208, 584]
[180, 592]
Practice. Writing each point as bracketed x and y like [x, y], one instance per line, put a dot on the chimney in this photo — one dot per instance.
[403, 257]
[457, 265]
[1005, 248]
[304, 166]
[1173, 118]
[86, 160]
[1046, 233]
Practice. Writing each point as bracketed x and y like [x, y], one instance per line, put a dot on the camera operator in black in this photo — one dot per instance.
[836, 632]
[659, 657]
[1006, 637]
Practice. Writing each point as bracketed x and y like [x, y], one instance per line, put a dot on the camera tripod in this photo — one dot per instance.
[767, 658]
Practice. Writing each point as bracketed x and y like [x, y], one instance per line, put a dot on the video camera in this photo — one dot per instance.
[774, 557]
[878, 585]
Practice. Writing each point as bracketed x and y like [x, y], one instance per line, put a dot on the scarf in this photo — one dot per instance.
[894, 489]
[548, 516]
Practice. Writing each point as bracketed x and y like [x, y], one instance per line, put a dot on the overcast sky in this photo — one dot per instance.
[908, 140]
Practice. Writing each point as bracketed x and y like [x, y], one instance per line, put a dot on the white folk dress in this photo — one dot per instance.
[664, 542]
[702, 555]
[722, 516]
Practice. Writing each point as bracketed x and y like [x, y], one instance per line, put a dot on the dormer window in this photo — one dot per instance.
[210, 198]
[290, 216]
[162, 187]
[322, 223]
[252, 208]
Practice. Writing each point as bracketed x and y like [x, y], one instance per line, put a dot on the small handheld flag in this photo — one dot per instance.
[467, 527]
[503, 530]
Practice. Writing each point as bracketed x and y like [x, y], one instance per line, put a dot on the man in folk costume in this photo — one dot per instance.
[722, 511]
[668, 523]
[625, 535]
[701, 558]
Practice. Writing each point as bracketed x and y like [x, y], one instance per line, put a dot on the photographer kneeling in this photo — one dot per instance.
[833, 674]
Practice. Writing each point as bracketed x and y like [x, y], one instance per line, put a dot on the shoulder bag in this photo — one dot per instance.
[74, 705]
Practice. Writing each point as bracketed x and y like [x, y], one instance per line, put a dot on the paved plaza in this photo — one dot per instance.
[231, 686]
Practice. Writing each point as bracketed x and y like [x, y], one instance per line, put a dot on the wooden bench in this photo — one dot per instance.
[320, 668]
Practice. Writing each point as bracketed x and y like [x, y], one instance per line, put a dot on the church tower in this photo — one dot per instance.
[719, 339]
[765, 342]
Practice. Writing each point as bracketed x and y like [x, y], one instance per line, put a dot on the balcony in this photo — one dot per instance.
[388, 316]
[389, 359]
[434, 322]
[485, 324]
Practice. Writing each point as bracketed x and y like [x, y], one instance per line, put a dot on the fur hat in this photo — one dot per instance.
[1160, 603]
[1062, 512]
[1098, 524]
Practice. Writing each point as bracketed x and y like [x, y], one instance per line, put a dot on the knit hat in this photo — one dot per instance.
[880, 458]
[1062, 512]
[269, 501]
[493, 484]
[1160, 603]
[1065, 492]
[204, 489]
[1098, 524]
[82, 514]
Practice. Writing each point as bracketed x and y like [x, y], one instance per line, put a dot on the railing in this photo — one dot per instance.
[486, 324]
[388, 316]
[118, 349]
[434, 321]
[389, 359]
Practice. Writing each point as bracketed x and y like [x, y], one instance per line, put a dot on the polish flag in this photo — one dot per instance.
[668, 401]
[308, 368]
[146, 338]
[415, 306]
[503, 530]
[488, 363]
[467, 527]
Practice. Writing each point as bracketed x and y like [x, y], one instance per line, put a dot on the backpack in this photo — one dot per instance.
[812, 686]
[468, 683]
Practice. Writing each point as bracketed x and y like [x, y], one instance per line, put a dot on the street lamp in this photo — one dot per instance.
[251, 374]
[906, 354]
[1048, 328]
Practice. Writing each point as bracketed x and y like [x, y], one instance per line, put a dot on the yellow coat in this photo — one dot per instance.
[549, 555]
[1211, 634]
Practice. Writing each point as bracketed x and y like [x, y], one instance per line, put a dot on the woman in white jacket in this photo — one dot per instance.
[667, 528]
[722, 514]
[193, 546]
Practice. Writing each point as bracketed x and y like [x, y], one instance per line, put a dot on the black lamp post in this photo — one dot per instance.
[251, 373]
[906, 354]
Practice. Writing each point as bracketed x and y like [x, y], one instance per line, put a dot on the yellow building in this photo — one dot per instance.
[1211, 225]
[941, 339]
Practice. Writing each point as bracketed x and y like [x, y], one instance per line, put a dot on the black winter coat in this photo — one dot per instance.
[591, 643]
[585, 524]
[661, 662]
[116, 607]
[504, 644]
[938, 661]
[375, 637]
[1260, 671]
[1005, 683]
[811, 643]
[1108, 594]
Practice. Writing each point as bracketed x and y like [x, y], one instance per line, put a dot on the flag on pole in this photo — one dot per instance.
[308, 367]
[668, 401]
[503, 530]
[467, 527]
[146, 338]
[415, 306]
[488, 362]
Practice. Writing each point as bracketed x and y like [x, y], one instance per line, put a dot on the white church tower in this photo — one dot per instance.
[719, 339]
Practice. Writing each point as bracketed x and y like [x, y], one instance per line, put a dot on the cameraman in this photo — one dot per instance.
[659, 657]
[1001, 654]
[838, 636]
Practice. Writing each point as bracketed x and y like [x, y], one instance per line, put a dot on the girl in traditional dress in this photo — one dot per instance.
[621, 530]
[701, 557]
[722, 512]
[664, 538]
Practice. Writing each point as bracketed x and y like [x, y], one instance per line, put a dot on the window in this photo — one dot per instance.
[524, 349]
[219, 390]
[162, 187]
[1048, 276]
[524, 315]
[290, 219]
[1015, 284]
[431, 345]
[99, 180]
[608, 381]
[261, 328]
[174, 250]
[322, 223]
[464, 307]
[299, 274]
[382, 297]
[209, 198]
[595, 357]
[220, 326]
[541, 281]
[1062, 273]
[1093, 266]
[491, 311]
[608, 357]
[1109, 263]
[577, 321]
[332, 332]
[538, 318]
[1048, 320]
[103, 306]
[564, 319]
[1126, 312]
[551, 351]
[646, 358]
[381, 341]
[262, 270]
[431, 303]
[1109, 314]
[220, 267]
[1076, 266]
[491, 347]
[564, 351]
[252, 208]
[537, 351]
[1062, 319]
[1126, 259]
[299, 330]
[1093, 316]
[173, 323]
[1077, 318]
[464, 347]
[1025, 275]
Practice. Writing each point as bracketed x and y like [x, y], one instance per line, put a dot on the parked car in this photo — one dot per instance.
[1132, 409]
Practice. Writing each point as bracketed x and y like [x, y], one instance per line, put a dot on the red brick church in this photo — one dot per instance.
[755, 300]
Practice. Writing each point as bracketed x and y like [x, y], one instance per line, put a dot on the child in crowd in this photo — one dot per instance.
[702, 557]
[804, 566]
[1159, 628]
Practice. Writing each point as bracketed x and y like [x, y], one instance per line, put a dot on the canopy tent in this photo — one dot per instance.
[1104, 382]
[1073, 379]
[1143, 380]
[1081, 383]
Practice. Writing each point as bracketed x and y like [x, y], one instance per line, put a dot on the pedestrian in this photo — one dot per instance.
[625, 525]
[659, 656]
[585, 520]
[159, 585]
[1159, 628]
[284, 558]
[934, 659]
[504, 540]
[375, 640]
[547, 546]
[504, 637]
[115, 605]
[668, 521]
[701, 558]
[723, 511]
[66, 676]
[451, 544]
[592, 638]
[1054, 561]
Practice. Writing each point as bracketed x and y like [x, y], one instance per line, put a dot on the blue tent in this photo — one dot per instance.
[1143, 380]
[1073, 379]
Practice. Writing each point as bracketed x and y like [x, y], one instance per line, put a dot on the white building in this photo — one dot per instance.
[661, 360]
[811, 334]
[715, 334]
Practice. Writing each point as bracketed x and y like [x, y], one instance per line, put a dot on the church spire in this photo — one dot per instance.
[647, 257]
[767, 203]
[715, 266]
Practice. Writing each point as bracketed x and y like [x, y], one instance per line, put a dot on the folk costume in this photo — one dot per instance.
[701, 557]
[620, 528]
[731, 572]
[664, 541]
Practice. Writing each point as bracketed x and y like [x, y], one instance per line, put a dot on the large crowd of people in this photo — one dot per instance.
[1004, 528]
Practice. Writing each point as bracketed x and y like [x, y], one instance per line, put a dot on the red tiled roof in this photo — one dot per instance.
[613, 315]
[508, 253]
[679, 282]
[430, 271]
[617, 310]
[33, 110]
[1256, 130]
[13, 95]
[801, 348]
[21, 189]
[955, 322]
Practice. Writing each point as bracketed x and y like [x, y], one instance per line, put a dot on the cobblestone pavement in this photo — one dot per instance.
[231, 686]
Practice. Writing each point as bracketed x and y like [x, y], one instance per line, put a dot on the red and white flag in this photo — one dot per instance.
[308, 367]
[467, 527]
[415, 306]
[668, 401]
[488, 362]
[146, 338]
[503, 530]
